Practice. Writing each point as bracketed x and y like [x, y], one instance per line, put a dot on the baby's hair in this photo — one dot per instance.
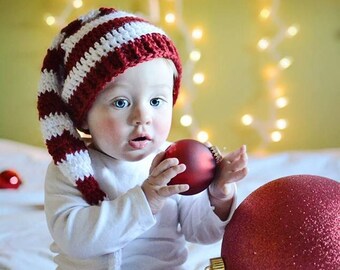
[172, 67]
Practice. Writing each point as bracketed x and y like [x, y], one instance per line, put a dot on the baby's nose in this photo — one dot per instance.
[141, 116]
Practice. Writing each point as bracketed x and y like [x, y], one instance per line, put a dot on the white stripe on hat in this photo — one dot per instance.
[54, 125]
[128, 32]
[77, 165]
[56, 41]
[90, 15]
[71, 41]
[48, 82]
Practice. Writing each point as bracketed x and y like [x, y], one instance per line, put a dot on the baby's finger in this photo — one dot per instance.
[235, 154]
[163, 166]
[238, 164]
[157, 159]
[238, 175]
[165, 176]
[170, 190]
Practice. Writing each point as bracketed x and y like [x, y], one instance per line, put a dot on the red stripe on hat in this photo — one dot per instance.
[53, 60]
[60, 146]
[116, 62]
[90, 189]
[106, 11]
[83, 97]
[72, 28]
[88, 40]
[50, 102]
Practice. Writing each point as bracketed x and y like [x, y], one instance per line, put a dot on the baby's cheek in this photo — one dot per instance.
[163, 129]
[108, 128]
[163, 122]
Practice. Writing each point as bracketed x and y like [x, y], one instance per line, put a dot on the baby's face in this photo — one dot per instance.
[131, 117]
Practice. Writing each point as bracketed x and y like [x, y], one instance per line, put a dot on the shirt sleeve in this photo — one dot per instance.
[82, 230]
[198, 221]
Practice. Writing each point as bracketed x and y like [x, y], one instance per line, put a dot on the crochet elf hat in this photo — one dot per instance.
[85, 55]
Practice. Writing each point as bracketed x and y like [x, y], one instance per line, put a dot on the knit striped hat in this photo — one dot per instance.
[87, 54]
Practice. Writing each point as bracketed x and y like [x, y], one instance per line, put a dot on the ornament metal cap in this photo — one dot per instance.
[216, 264]
[215, 152]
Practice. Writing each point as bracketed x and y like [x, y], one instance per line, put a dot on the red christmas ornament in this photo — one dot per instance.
[200, 161]
[9, 179]
[289, 223]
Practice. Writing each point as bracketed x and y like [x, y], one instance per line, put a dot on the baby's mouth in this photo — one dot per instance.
[139, 142]
[140, 139]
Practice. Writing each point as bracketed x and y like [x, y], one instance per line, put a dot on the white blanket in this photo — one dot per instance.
[24, 237]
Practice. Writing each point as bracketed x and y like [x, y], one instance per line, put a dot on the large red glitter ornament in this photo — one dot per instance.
[9, 179]
[289, 223]
[200, 161]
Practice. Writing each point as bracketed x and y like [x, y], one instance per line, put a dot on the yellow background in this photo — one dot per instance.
[233, 67]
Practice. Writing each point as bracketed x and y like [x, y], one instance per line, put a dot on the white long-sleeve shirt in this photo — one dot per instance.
[122, 232]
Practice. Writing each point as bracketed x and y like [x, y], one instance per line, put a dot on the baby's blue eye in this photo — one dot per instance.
[121, 103]
[155, 102]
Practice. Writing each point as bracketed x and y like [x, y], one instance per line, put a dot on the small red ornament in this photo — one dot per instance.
[200, 161]
[289, 223]
[9, 179]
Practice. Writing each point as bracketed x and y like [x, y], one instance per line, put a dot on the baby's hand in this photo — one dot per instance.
[232, 168]
[161, 172]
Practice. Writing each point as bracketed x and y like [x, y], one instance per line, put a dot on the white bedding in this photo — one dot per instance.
[24, 238]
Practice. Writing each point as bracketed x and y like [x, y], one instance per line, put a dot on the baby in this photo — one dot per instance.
[116, 77]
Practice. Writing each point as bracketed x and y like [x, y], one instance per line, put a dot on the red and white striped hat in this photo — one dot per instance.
[86, 55]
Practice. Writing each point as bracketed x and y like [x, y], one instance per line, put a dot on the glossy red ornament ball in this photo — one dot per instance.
[200, 164]
[289, 223]
[10, 179]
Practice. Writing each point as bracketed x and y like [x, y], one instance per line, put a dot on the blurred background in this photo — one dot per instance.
[261, 73]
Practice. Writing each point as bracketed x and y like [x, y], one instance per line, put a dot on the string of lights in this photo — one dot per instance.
[272, 128]
[191, 79]
[60, 20]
